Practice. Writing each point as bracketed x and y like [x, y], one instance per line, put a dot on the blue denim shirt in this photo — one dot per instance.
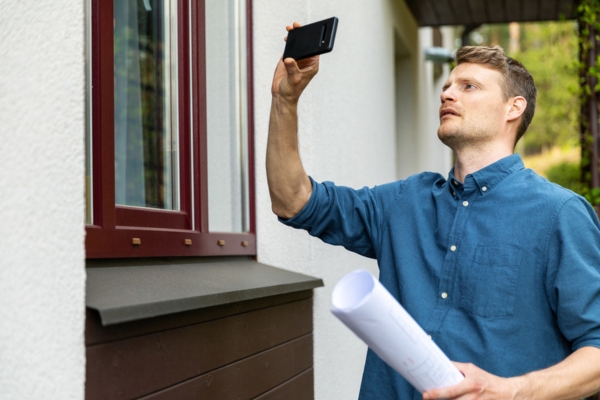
[502, 271]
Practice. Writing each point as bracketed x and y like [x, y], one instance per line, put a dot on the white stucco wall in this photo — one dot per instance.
[348, 134]
[42, 276]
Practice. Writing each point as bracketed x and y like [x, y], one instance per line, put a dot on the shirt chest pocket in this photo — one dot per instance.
[488, 281]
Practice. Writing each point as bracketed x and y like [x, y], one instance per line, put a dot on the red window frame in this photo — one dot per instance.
[124, 232]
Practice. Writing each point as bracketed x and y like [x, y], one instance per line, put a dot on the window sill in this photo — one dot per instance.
[134, 289]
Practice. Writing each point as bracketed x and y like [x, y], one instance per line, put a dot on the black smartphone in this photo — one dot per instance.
[311, 40]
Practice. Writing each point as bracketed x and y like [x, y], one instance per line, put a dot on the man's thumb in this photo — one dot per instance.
[291, 66]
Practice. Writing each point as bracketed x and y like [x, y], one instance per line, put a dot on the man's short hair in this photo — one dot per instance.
[516, 80]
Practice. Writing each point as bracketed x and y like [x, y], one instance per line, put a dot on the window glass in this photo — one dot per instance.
[145, 106]
[226, 118]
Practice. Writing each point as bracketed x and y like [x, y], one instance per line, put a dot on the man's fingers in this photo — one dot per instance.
[295, 25]
[446, 393]
[309, 65]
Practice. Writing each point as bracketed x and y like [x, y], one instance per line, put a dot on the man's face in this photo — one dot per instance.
[472, 111]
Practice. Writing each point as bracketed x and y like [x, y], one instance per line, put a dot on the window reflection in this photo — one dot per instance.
[226, 115]
[145, 79]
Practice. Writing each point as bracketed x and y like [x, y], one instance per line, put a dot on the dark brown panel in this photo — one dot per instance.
[530, 10]
[462, 11]
[95, 333]
[514, 10]
[415, 10]
[548, 10]
[142, 365]
[247, 378]
[567, 8]
[478, 11]
[443, 10]
[496, 12]
[429, 17]
[299, 387]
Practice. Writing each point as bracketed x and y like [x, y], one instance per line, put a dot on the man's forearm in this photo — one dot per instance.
[289, 185]
[575, 377]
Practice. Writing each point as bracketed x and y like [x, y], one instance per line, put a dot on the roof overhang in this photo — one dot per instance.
[476, 12]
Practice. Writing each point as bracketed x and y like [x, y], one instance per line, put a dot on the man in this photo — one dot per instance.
[498, 265]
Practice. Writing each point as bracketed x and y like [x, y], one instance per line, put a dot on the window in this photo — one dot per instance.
[169, 129]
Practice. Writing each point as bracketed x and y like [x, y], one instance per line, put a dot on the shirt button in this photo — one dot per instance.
[484, 189]
[444, 295]
[455, 183]
[453, 248]
[465, 203]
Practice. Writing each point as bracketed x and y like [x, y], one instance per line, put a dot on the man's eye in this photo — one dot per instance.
[469, 86]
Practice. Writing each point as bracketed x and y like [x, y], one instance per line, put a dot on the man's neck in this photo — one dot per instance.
[473, 159]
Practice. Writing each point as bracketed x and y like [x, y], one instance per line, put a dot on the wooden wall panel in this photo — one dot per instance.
[126, 365]
[247, 378]
[300, 387]
[95, 333]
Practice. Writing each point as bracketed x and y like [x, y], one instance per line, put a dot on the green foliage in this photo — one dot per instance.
[589, 72]
[568, 175]
[549, 51]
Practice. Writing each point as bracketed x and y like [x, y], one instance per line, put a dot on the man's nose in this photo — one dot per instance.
[448, 95]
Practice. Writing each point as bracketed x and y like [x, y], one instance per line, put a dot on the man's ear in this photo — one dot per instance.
[517, 107]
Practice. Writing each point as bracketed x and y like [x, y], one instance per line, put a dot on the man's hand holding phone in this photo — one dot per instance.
[300, 61]
[291, 76]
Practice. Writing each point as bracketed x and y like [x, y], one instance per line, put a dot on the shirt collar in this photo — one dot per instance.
[487, 178]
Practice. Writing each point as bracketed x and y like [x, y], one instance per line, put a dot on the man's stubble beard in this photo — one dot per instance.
[452, 137]
[458, 138]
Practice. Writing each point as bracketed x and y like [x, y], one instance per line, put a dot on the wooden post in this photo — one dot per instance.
[590, 141]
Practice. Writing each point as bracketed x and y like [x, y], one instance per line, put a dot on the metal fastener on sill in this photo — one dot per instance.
[221, 242]
[245, 243]
[187, 242]
[136, 241]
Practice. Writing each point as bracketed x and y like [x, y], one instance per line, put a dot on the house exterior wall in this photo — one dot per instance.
[42, 276]
[348, 134]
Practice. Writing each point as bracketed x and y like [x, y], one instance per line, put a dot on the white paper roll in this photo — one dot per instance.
[374, 315]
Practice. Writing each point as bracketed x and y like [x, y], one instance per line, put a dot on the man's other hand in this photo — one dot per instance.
[477, 384]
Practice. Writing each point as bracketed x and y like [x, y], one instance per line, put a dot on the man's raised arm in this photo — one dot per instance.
[289, 185]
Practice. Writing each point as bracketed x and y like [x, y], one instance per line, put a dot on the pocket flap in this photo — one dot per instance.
[496, 256]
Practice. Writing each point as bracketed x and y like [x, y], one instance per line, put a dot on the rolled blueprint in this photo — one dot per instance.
[374, 315]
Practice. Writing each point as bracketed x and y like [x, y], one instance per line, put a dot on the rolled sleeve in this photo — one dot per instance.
[342, 216]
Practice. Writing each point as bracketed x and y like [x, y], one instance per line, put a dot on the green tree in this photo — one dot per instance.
[550, 52]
